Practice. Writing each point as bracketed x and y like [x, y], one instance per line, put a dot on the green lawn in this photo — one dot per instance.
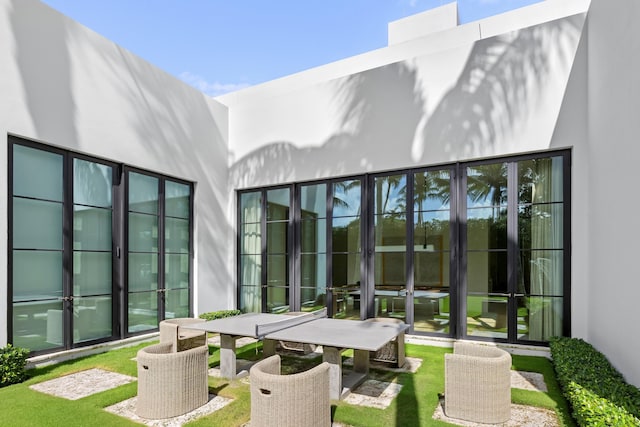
[414, 406]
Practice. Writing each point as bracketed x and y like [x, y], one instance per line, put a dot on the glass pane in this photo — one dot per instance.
[37, 325]
[278, 204]
[176, 235]
[143, 272]
[346, 198]
[313, 269]
[540, 226]
[487, 316]
[177, 201]
[176, 303]
[487, 185]
[37, 173]
[91, 183]
[250, 238]
[313, 298]
[277, 271]
[390, 268]
[313, 235]
[487, 272]
[432, 190]
[37, 275]
[92, 273]
[91, 318]
[250, 299]
[390, 194]
[431, 311]
[543, 316]
[432, 231]
[313, 201]
[431, 269]
[390, 232]
[37, 224]
[541, 273]
[143, 193]
[541, 180]
[277, 299]
[92, 229]
[177, 271]
[277, 237]
[346, 269]
[250, 207]
[143, 311]
[345, 302]
[251, 270]
[487, 229]
[143, 233]
[346, 234]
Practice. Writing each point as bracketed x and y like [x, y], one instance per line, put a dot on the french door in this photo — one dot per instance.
[87, 238]
[62, 257]
[515, 244]
[475, 249]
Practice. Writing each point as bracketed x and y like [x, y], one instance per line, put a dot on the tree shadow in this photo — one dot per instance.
[503, 78]
[379, 110]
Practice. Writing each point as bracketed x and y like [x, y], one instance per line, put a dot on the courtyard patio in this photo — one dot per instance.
[102, 389]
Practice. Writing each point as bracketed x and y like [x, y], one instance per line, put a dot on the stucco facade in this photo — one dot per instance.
[560, 74]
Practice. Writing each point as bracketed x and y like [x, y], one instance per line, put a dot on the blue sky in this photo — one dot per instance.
[223, 45]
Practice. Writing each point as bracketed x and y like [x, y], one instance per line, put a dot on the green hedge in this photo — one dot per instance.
[12, 363]
[597, 392]
[212, 315]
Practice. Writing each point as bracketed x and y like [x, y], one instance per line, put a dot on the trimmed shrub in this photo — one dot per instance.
[12, 363]
[597, 392]
[212, 315]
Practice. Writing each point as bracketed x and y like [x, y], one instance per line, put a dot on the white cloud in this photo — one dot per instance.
[210, 88]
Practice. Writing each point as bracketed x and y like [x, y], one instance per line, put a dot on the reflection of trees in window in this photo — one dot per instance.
[487, 188]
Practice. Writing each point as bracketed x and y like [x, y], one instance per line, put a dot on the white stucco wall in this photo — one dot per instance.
[64, 85]
[423, 24]
[614, 150]
[488, 97]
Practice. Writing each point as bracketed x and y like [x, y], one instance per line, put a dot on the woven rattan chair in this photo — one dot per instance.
[294, 400]
[181, 338]
[171, 383]
[477, 383]
[393, 351]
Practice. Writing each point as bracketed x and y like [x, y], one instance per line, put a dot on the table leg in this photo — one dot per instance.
[361, 361]
[401, 354]
[332, 355]
[228, 356]
[268, 347]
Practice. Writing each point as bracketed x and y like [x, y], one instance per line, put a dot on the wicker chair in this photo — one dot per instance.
[477, 383]
[294, 400]
[171, 383]
[393, 351]
[175, 332]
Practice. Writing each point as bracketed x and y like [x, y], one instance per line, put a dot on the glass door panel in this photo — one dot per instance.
[92, 251]
[344, 298]
[177, 249]
[276, 289]
[541, 248]
[487, 299]
[250, 248]
[143, 252]
[390, 246]
[313, 247]
[37, 248]
[432, 252]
